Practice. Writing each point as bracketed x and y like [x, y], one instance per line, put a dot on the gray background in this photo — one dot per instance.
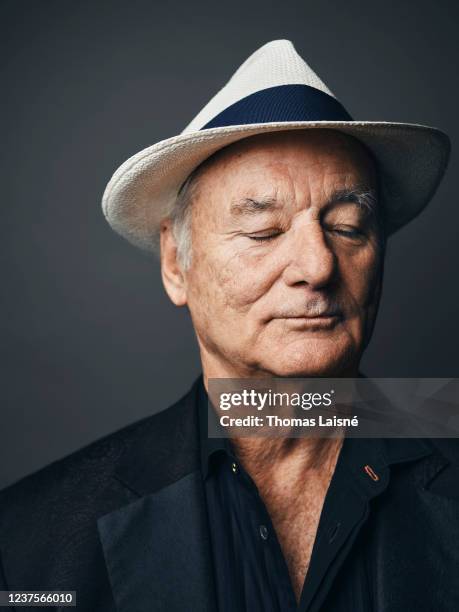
[89, 341]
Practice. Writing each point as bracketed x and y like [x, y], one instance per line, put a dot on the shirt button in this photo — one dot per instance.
[234, 468]
[264, 532]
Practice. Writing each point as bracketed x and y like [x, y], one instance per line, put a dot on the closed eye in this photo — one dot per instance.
[264, 238]
[347, 232]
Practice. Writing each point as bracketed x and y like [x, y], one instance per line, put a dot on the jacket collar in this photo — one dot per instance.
[171, 436]
[157, 547]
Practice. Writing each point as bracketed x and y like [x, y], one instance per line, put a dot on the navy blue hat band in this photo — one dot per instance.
[281, 103]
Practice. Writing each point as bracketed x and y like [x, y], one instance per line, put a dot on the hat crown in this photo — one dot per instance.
[274, 64]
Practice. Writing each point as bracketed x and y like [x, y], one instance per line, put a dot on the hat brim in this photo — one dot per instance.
[411, 159]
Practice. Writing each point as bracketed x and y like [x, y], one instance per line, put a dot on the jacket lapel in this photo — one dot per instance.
[157, 548]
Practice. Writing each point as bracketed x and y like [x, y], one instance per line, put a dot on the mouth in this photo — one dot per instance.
[323, 321]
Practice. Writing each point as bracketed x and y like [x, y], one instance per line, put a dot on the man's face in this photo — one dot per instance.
[285, 272]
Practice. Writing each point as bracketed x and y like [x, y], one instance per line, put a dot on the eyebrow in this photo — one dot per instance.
[363, 196]
[252, 206]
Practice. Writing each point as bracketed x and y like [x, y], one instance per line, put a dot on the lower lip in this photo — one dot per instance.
[313, 323]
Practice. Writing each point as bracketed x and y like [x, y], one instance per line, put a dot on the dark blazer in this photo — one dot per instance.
[123, 522]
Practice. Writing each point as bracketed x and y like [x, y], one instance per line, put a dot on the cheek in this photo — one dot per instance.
[360, 275]
[234, 282]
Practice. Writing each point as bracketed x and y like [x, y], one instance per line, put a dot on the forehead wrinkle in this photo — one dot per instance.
[318, 184]
[300, 183]
[260, 198]
[296, 188]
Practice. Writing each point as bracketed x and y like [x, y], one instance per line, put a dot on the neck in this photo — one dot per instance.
[270, 459]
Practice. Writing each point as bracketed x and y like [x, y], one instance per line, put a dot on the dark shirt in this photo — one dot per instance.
[250, 570]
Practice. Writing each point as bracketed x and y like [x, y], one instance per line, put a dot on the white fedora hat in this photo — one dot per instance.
[273, 90]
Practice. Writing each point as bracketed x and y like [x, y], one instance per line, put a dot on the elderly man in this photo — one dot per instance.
[271, 212]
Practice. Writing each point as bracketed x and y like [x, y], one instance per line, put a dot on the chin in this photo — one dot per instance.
[305, 363]
[306, 371]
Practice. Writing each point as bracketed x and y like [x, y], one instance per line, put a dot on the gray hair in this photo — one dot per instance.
[180, 217]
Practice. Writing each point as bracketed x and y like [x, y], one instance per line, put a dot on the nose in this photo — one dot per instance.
[311, 260]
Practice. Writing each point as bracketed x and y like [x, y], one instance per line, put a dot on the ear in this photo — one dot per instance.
[171, 272]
